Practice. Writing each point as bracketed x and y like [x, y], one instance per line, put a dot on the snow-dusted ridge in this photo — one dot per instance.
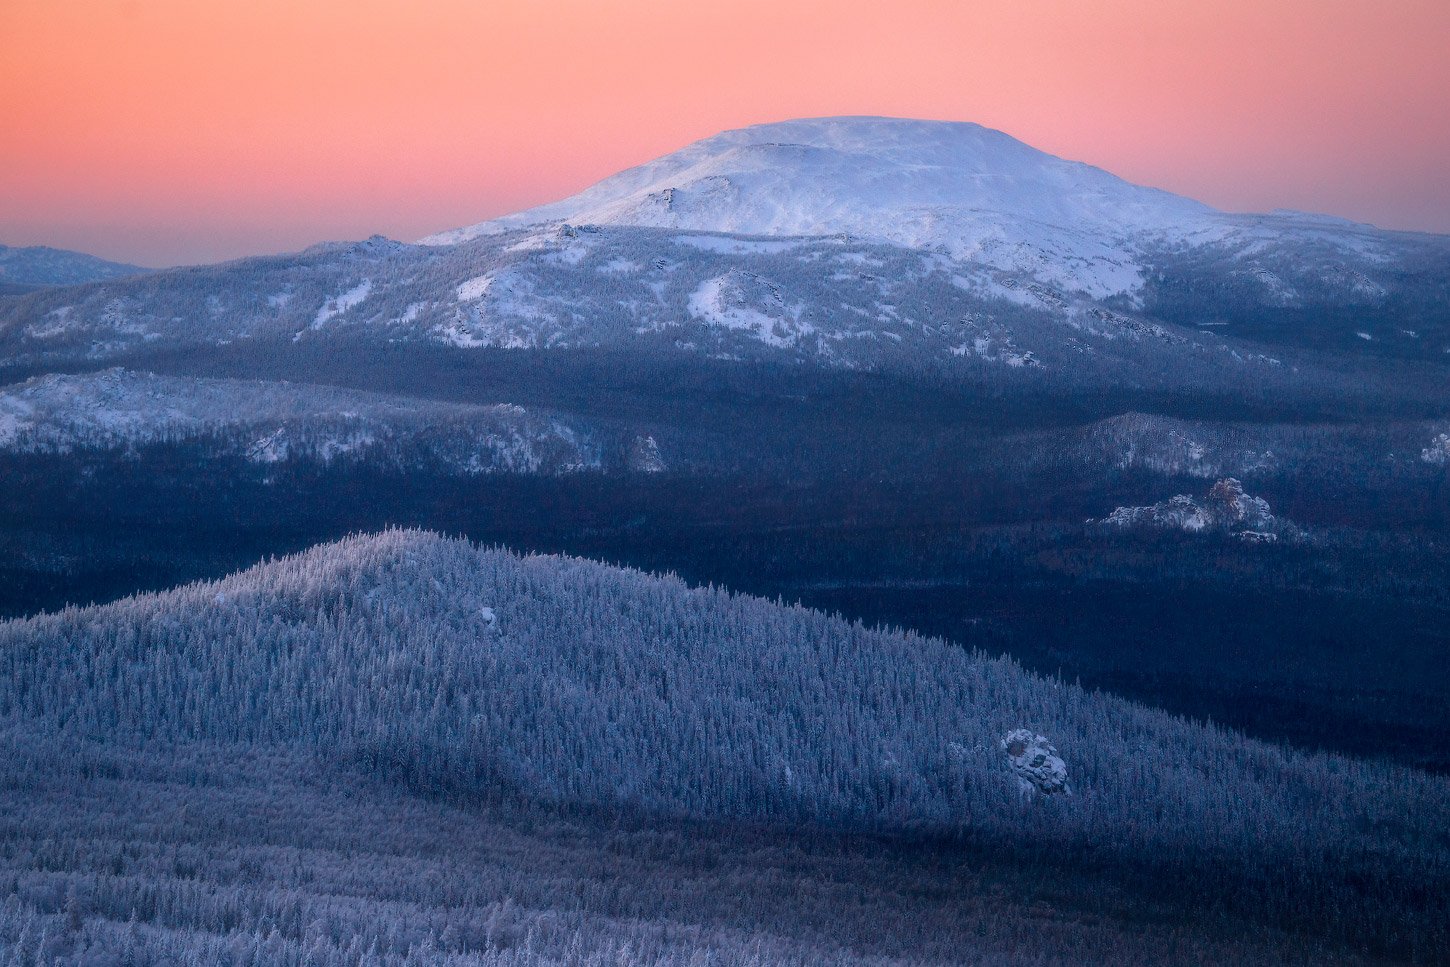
[578, 683]
[360, 688]
[831, 301]
[41, 265]
[273, 422]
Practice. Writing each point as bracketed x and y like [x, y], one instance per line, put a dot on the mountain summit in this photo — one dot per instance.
[962, 188]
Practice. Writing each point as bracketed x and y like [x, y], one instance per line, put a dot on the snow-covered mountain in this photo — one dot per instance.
[844, 303]
[839, 303]
[39, 265]
[975, 194]
[848, 242]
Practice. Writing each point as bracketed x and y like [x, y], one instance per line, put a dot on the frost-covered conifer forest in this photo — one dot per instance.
[840, 541]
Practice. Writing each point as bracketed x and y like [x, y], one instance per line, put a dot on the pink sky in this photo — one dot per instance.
[167, 131]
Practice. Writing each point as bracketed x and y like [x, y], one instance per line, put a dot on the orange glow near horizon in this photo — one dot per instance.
[167, 131]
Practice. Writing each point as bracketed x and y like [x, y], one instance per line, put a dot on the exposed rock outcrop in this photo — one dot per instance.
[644, 456]
[1035, 763]
[1226, 509]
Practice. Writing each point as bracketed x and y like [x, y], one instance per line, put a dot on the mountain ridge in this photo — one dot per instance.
[438, 666]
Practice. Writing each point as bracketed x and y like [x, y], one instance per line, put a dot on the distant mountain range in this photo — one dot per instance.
[24, 269]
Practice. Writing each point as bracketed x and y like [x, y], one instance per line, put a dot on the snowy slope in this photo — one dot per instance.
[827, 301]
[573, 682]
[406, 664]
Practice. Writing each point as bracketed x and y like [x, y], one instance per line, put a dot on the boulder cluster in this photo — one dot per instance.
[1035, 763]
[1226, 509]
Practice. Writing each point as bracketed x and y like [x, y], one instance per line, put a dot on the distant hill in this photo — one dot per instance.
[39, 266]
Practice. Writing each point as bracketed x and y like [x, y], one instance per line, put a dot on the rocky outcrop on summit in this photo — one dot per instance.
[1226, 509]
[1230, 506]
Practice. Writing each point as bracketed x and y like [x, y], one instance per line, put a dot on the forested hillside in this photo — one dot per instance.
[455, 671]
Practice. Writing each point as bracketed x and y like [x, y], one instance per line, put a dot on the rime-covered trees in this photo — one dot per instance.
[439, 667]
[554, 679]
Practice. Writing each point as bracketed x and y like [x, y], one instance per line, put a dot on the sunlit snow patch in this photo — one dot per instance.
[474, 288]
[747, 303]
[341, 303]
